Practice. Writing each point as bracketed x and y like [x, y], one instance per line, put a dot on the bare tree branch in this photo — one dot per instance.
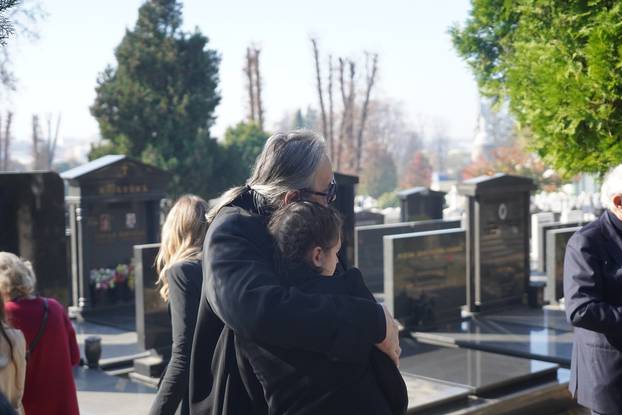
[251, 90]
[331, 122]
[318, 77]
[370, 78]
[258, 88]
[350, 124]
[344, 113]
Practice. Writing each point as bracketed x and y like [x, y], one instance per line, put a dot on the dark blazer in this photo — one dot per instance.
[242, 289]
[184, 292]
[298, 382]
[593, 297]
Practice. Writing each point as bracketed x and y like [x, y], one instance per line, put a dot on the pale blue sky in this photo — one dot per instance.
[417, 63]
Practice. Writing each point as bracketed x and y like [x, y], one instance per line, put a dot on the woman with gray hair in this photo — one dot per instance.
[242, 295]
[593, 298]
[51, 346]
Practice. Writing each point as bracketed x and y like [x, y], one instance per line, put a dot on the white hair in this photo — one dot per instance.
[612, 186]
[17, 278]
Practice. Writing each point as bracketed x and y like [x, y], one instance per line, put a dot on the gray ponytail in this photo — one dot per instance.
[287, 162]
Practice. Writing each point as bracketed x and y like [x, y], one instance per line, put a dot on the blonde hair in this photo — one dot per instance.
[182, 236]
[17, 278]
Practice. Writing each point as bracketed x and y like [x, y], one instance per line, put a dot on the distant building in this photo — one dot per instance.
[493, 129]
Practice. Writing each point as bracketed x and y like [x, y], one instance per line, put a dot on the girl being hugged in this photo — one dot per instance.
[179, 267]
[308, 237]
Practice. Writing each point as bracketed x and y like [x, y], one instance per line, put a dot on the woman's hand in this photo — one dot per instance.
[391, 343]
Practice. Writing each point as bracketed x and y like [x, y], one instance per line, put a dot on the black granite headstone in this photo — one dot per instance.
[153, 323]
[367, 217]
[369, 249]
[32, 226]
[114, 204]
[556, 241]
[421, 203]
[345, 205]
[498, 224]
[424, 277]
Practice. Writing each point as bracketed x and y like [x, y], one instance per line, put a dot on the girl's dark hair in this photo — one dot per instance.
[300, 226]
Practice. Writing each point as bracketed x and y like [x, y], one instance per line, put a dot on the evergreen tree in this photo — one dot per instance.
[558, 62]
[158, 103]
[242, 144]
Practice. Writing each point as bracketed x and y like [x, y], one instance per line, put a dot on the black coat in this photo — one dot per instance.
[242, 289]
[184, 292]
[299, 382]
[593, 297]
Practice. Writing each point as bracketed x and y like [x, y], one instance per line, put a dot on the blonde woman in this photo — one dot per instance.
[12, 362]
[180, 278]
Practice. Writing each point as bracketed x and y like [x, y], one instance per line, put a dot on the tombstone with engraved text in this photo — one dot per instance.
[369, 249]
[113, 204]
[497, 224]
[425, 278]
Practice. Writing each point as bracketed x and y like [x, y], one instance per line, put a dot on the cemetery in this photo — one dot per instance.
[461, 167]
[460, 288]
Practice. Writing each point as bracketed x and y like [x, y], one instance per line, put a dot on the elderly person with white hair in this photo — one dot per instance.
[593, 297]
[51, 346]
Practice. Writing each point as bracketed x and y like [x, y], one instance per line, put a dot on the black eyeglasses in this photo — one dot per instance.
[330, 194]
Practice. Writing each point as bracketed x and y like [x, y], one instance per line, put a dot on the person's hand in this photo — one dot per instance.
[391, 343]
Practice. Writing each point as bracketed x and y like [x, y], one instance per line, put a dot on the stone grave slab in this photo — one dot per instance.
[542, 230]
[485, 334]
[549, 318]
[32, 224]
[113, 203]
[368, 217]
[426, 394]
[537, 219]
[369, 249]
[556, 241]
[425, 280]
[498, 231]
[153, 324]
[478, 371]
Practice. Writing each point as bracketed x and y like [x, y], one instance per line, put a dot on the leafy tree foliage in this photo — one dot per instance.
[516, 160]
[418, 172]
[558, 62]
[379, 174]
[158, 103]
[242, 145]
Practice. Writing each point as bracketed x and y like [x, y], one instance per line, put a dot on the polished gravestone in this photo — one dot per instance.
[153, 323]
[369, 254]
[367, 217]
[424, 277]
[548, 317]
[426, 393]
[421, 203]
[519, 338]
[113, 204]
[498, 222]
[32, 224]
[556, 241]
[345, 205]
[537, 219]
[480, 372]
[543, 229]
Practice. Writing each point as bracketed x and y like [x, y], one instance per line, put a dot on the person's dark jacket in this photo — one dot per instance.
[184, 292]
[593, 298]
[242, 289]
[299, 382]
